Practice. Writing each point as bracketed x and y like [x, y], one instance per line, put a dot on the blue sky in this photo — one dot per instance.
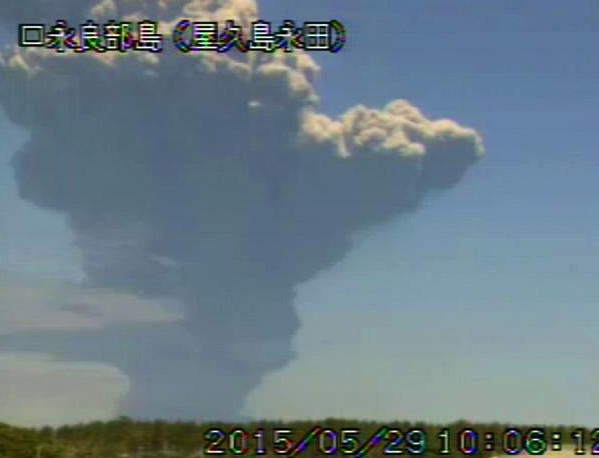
[503, 267]
[483, 303]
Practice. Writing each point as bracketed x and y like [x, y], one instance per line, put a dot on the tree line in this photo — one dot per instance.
[127, 438]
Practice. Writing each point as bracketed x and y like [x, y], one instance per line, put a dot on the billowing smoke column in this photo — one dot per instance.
[211, 179]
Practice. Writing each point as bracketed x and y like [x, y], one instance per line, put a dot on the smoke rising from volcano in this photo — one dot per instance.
[213, 180]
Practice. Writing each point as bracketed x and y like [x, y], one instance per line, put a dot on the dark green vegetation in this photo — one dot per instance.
[128, 438]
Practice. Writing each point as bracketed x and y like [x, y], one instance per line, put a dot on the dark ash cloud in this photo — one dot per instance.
[210, 179]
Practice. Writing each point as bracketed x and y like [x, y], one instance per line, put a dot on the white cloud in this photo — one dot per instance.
[39, 390]
[28, 303]
[399, 128]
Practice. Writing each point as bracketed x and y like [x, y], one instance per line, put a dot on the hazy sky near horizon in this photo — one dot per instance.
[479, 305]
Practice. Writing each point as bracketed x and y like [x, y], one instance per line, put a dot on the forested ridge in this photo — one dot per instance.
[124, 437]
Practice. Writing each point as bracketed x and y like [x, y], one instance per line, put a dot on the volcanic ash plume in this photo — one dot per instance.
[211, 179]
